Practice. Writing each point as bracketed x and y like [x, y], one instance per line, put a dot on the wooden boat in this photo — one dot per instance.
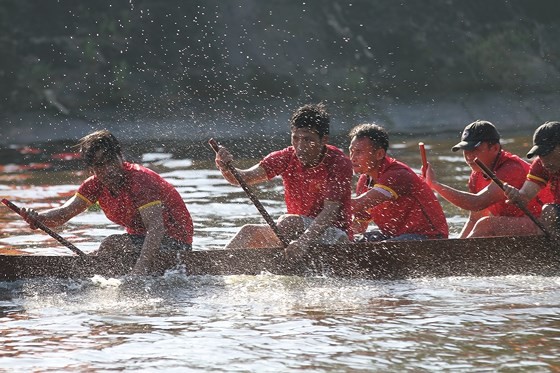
[533, 255]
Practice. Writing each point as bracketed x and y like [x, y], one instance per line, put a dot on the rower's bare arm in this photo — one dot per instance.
[371, 198]
[487, 197]
[359, 226]
[527, 192]
[152, 218]
[430, 174]
[324, 220]
[474, 216]
[452, 195]
[253, 175]
[470, 201]
[56, 216]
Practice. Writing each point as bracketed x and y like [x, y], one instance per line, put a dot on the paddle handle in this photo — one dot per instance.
[424, 159]
[46, 229]
[520, 205]
[214, 144]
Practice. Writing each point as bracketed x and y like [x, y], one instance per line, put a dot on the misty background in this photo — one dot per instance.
[201, 68]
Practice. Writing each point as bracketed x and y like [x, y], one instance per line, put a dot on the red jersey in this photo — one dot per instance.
[307, 188]
[413, 207]
[142, 188]
[513, 170]
[540, 175]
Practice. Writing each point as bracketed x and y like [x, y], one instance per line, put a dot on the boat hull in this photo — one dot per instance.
[535, 255]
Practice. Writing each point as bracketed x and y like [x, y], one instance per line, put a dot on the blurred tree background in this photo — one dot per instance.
[157, 57]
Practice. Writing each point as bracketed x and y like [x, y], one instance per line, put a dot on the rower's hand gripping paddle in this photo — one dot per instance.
[250, 194]
[520, 205]
[46, 229]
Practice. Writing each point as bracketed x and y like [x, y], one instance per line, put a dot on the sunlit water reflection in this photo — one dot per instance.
[266, 322]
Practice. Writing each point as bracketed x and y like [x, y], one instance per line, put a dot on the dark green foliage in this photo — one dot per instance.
[160, 55]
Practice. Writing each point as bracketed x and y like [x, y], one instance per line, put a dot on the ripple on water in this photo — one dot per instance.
[265, 322]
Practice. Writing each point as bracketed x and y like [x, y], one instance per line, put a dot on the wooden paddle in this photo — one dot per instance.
[424, 159]
[250, 194]
[520, 205]
[46, 229]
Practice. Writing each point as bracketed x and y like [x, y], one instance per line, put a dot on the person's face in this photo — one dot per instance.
[108, 171]
[551, 161]
[365, 157]
[485, 152]
[308, 145]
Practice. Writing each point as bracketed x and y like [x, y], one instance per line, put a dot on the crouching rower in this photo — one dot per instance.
[150, 208]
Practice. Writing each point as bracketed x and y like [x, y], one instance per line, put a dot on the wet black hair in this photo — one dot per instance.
[94, 142]
[377, 134]
[313, 117]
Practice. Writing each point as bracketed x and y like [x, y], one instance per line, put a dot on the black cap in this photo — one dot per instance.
[476, 133]
[545, 139]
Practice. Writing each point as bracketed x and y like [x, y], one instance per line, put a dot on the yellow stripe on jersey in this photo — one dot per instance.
[393, 193]
[84, 199]
[536, 178]
[153, 203]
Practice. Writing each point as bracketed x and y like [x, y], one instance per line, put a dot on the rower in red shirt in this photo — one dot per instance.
[144, 188]
[389, 193]
[544, 173]
[150, 208]
[307, 188]
[317, 181]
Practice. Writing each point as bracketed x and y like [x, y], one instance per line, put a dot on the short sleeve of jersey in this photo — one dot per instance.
[513, 173]
[145, 190]
[397, 182]
[276, 162]
[538, 174]
[90, 190]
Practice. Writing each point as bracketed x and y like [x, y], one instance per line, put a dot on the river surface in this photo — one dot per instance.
[262, 323]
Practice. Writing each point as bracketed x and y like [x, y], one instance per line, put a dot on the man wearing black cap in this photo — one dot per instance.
[490, 215]
[544, 171]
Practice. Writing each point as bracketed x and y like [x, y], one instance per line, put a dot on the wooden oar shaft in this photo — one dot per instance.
[520, 205]
[424, 159]
[46, 229]
[250, 194]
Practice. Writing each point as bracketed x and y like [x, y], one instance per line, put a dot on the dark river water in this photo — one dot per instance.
[262, 323]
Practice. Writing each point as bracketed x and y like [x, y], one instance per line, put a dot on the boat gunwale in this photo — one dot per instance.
[490, 256]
